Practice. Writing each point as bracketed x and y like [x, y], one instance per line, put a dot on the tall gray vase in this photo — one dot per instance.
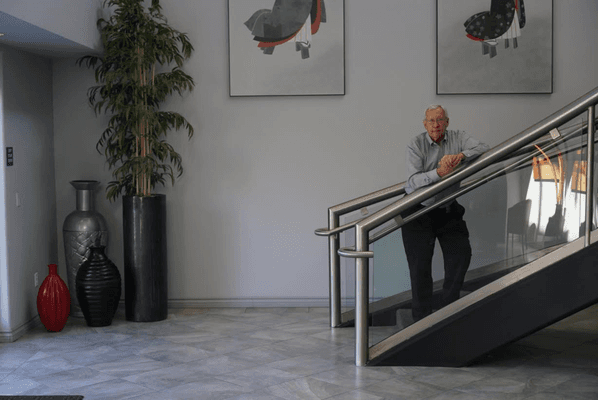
[82, 229]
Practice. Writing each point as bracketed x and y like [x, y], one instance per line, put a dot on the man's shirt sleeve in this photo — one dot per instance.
[472, 148]
[416, 169]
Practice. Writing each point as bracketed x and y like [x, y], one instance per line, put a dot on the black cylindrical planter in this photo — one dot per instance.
[144, 234]
[98, 288]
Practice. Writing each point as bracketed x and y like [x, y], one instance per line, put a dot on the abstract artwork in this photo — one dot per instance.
[494, 46]
[286, 47]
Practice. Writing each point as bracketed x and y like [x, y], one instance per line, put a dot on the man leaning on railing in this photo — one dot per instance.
[430, 156]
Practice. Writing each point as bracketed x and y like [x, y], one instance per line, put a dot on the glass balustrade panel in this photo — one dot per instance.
[347, 239]
[513, 219]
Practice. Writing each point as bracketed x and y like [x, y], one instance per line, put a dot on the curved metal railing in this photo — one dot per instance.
[513, 147]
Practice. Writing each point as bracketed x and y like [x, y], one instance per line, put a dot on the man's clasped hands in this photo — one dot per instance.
[448, 163]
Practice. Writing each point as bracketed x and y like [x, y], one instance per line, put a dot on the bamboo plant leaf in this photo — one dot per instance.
[137, 41]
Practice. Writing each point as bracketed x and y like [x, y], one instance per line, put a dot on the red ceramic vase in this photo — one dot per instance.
[53, 301]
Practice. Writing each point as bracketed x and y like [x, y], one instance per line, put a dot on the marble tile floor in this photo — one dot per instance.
[282, 353]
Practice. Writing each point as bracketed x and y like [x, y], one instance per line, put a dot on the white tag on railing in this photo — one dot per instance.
[555, 133]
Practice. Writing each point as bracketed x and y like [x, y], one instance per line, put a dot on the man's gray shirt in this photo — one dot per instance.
[423, 156]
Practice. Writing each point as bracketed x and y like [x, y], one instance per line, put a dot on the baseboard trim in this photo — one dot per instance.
[265, 302]
[292, 302]
[15, 334]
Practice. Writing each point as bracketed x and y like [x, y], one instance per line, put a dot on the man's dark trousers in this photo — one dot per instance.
[419, 237]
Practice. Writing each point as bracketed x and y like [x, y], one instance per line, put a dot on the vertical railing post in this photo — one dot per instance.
[590, 177]
[335, 272]
[361, 299]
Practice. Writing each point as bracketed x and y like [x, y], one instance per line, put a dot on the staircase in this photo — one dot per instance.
[504, 301]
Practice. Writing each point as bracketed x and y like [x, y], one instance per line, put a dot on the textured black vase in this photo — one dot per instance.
[144, 241]
[98, 288]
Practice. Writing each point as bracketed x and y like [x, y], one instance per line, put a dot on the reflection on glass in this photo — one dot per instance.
[558, 202]
[513, 219]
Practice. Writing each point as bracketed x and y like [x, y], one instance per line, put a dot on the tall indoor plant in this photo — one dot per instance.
[139, 69]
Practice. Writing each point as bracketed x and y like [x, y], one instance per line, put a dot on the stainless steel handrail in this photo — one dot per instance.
[372, 198]
[334, 263]
[577, 107]
[467, 187]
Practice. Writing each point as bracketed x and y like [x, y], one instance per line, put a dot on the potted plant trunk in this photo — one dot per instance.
[139, 69]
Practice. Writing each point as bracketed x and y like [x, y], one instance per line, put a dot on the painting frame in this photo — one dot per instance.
[477, 52]
[286, 61]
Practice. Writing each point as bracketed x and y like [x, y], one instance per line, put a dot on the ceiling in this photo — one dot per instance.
[25, 36]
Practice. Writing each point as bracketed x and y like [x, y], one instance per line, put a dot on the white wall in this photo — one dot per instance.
[260, 173]
[31, 227]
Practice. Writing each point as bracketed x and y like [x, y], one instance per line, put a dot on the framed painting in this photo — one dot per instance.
[286, 47]
[494, 46]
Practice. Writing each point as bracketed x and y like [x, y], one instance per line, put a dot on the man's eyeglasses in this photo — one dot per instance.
[439, 120]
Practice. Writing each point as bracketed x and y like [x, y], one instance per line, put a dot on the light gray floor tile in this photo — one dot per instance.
[302, 345]
[356, 395]
[537, 373]
[278, 321]
[221, 326]
[257, 395]
[500, 388]
[132, 365]
[446, 378]
[43, 364]
[260, 355]
[111, 390]
[306, 388]
[303, 365]
[401, 388]
[205, 389]
[273, 335]
[138, 344]
[230, 345]
[12, 385]
[336, 336]
[354, 377]
[13, 357]
[193, 337]
[154, 396]
[157, 361]
[457, 395]
[557, 396]
[73, 378]
[95, 354]
[258, 378]
[174, 353]
[219, 365]
[166, 378]
[304, 328]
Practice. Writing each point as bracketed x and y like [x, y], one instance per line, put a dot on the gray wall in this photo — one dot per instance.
[260, 173]
[30, 228]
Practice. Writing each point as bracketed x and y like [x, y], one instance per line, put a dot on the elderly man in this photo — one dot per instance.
[432, 155]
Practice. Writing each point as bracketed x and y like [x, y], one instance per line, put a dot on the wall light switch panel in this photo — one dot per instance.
[18, 199]
[9, 157]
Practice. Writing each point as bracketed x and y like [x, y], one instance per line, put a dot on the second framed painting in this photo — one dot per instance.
[286, 47]
[494, 46]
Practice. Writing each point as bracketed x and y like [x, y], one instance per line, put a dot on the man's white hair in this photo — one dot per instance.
[434, 107]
